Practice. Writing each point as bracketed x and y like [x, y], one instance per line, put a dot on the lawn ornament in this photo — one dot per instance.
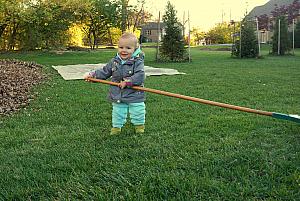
[295, 118]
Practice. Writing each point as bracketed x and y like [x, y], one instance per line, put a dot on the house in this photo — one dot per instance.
[265, 35]
[150, 32]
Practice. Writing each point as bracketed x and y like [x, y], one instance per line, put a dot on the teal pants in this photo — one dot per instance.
[137, 112]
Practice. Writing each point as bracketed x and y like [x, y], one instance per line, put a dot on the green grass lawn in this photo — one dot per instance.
[59, 147]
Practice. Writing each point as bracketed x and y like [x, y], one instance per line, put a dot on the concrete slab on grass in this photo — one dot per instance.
[76, 72]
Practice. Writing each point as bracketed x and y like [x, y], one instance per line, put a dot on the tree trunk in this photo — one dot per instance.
[12, 38]
[95, 39]
[90, 40]
[109, 36]
[124, 15]
[2, 28]
[137, 19]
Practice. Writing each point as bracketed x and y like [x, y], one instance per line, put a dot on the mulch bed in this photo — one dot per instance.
[16, 81]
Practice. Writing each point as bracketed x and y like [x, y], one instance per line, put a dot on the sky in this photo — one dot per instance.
[205, 14]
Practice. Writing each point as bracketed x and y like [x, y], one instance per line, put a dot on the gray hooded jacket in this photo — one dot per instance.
[131, 71]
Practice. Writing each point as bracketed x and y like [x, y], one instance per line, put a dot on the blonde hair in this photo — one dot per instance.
[130, 36]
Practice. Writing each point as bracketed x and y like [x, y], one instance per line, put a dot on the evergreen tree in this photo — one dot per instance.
[297, 35]
[285, 43]
[248, 41]
[172, 43]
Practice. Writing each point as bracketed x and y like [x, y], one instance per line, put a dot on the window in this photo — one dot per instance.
[148, 32]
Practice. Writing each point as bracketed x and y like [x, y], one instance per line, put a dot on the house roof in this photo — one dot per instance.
[268, 7]
[153, 25]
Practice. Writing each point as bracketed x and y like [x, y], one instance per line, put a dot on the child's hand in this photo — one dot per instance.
[87, 75]
[122, 84]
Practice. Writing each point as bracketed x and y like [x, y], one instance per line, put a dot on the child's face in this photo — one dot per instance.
[126, 47]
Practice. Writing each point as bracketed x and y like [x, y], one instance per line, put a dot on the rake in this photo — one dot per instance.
[294, 118]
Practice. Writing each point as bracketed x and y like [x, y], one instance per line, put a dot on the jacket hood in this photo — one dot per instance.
[135, 55]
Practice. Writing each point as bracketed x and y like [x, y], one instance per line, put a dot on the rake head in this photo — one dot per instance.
[290, 117]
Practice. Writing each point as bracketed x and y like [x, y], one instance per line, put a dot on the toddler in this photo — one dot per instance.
[127, 69]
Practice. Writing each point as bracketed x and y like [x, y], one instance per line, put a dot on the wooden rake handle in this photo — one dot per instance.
[189, 98]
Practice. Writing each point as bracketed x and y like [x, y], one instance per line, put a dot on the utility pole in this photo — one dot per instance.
[189, 36]
[293, 36]
[241, 39]
[270, 20]
[222, 13]
[183, 23]
[222, 16]
[278, 50]
[258, 41]
[158, 37]
[232, 22]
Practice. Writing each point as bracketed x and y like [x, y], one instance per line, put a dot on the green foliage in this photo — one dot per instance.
[197, 36]
[98, 20]
[10, 19]
[29, 25]
[220, 34]
[285, 42]
[33, 25]
[45, 26]
[172, 48]
[247, 45]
